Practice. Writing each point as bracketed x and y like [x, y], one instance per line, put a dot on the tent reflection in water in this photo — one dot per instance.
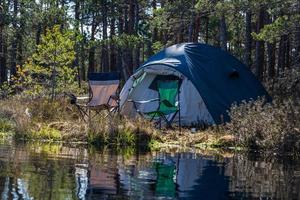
[211, 81]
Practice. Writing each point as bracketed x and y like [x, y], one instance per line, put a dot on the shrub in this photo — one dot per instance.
[273, 126]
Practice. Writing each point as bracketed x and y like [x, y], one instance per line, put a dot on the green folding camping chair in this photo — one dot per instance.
[168, 92]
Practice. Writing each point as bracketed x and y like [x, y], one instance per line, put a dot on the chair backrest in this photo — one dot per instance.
[103, 86]
[168, 91]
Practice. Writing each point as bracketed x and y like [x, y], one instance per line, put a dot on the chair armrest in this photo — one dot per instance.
[143, 102]
[114, 97]
[168, 104]
[83, 98]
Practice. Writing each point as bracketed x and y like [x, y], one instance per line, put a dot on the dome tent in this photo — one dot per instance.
[211, 81]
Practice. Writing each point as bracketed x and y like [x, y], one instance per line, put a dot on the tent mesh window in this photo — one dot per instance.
[153, 85]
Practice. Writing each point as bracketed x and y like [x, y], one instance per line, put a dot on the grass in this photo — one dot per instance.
[43, 120]
[254, 125]
[6, 128]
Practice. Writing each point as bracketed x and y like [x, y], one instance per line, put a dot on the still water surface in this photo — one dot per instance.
[54, 171]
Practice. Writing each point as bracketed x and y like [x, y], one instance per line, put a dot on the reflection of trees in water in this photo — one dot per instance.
[59, 172]
[14, 189]
[33, 173]
[263, 177]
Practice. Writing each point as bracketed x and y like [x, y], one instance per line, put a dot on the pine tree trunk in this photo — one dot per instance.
[119, 61]
[82, 45]
[248, 39]
[271, 59]
[130, 31]
[259, 48]
[154, 34]
[182, 29]
[38, 34]
[92, 49]
[20, 34]
[77, 50]
[112, 56]
[282, 54]
[13, 66]
[297, 40]
[287, 52]
[196, 29]
[192, 23]
[104, 49]
[297, 45]
[270, 53]
[207, 30]
[136, 27]
[3, 75]
[223, 33]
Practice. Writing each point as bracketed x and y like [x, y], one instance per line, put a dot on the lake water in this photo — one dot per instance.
[45, 171]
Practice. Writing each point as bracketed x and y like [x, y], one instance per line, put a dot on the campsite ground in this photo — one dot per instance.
[256, 125]
[44, 120]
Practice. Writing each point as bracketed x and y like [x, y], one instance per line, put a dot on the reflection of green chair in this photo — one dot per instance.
[168, 91]
[165, 185]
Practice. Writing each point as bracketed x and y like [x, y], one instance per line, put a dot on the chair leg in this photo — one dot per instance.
[82, 112]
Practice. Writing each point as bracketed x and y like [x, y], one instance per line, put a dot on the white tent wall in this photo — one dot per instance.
[192, 108]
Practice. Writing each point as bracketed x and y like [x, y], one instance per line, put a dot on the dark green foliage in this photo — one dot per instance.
[118, 35]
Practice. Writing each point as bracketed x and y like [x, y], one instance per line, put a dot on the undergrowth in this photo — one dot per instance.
[270, 126]
[254, 125]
